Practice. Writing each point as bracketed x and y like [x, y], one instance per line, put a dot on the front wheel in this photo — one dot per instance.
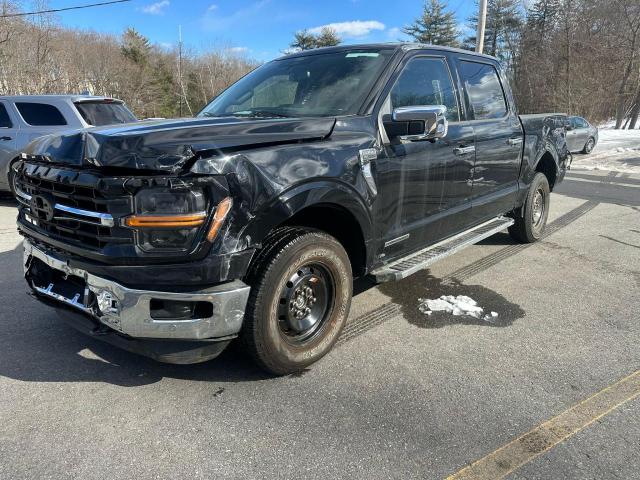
[301, 287]
[531, 219]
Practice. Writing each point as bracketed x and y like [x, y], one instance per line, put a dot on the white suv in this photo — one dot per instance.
[26, 117]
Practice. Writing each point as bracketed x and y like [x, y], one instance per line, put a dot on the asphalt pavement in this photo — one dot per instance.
[403, 395]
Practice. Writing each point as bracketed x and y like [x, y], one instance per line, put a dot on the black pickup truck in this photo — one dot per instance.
[172, 238]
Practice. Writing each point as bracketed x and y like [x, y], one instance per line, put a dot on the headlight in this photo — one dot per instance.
[165, 202]
[168, 221]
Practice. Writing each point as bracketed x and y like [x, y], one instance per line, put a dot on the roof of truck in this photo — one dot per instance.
[45, 98]
[404, 46]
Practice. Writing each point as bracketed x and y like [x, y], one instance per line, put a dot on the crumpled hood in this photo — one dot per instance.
[169, 144]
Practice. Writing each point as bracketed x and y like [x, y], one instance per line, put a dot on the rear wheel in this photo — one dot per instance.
[531, 219]
[301, 287]
[588, 147]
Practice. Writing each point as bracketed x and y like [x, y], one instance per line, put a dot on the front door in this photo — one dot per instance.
[498, 137]
[572, 134]
[578, 135]
[424, 185]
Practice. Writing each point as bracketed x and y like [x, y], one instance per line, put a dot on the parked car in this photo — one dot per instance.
[252, 220]
[581, 135]
[25, 117]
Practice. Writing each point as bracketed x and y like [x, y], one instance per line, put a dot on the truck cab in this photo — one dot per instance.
[173, 238]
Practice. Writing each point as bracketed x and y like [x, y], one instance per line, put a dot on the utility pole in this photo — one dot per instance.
[482, 20]
[180, 67]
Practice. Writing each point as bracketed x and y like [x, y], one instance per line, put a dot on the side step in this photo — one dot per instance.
[406, 266]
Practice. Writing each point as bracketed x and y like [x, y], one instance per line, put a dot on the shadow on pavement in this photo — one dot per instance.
[609, 192]
[36, 346]
[7, 200]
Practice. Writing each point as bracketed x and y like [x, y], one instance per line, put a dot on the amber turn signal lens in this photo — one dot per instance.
[222, 210]
[173, 221]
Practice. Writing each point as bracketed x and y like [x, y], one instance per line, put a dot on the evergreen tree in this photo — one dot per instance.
[327, 38]
[303, 40]
[502, 32]
[436, 26]
[542, 17]
[135, 46]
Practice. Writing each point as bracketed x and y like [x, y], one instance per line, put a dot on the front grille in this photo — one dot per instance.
[68, 206]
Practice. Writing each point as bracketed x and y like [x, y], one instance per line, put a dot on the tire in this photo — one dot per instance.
[301, 288]
[588, 147]
[531, 219]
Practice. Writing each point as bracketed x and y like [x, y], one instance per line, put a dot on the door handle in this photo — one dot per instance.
[515, 141]
[5, 138]
[464, 150]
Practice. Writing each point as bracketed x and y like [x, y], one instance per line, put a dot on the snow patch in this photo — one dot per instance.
[617, 150]
[458, 305]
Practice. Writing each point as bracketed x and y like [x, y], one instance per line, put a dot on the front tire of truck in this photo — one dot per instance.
[301, 287]
[531, 219]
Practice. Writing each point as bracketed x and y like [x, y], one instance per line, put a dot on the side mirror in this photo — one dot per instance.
[433, 116]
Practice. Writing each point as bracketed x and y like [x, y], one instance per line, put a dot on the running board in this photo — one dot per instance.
[406, 266]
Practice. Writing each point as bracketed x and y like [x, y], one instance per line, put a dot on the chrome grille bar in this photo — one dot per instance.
[104, 219]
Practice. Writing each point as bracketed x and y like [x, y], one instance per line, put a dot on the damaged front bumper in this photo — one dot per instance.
[211, 315]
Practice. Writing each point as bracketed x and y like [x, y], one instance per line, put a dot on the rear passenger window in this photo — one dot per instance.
[426, 81]
[484, 91]
[5, 121]
[40, 114]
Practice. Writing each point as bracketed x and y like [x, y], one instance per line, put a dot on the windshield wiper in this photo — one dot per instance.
[262, 114]
[247, 114]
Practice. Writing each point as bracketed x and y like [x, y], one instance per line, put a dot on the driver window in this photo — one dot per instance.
[426, 81]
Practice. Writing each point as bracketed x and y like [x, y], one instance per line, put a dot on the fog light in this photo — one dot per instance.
[107, 305]
[179, 310]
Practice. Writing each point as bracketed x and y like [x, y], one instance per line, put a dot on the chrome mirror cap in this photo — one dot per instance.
[433, 116]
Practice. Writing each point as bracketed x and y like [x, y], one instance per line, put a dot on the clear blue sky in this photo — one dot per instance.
[262, 28]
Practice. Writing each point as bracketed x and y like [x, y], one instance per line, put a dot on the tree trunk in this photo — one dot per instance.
[635, 113]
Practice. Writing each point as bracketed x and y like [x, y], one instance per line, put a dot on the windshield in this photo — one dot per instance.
[318, 85]
[99, 114]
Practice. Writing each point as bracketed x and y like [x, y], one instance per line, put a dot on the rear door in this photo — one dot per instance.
[40, 119]
[572, 134]
[582, 133]
[498, 137]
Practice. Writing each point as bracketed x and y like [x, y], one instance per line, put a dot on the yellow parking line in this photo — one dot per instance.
[506, 459]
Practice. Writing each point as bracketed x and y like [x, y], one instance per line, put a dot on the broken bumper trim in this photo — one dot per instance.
[128, 310]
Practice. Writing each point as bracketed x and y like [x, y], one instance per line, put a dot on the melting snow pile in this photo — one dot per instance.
[460, 305]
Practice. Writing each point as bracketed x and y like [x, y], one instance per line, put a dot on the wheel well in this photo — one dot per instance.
[547, 165]
[340, 224]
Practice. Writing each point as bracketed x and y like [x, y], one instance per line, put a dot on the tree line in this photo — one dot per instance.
[576, 56]
[38, 56]
[581, 57]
